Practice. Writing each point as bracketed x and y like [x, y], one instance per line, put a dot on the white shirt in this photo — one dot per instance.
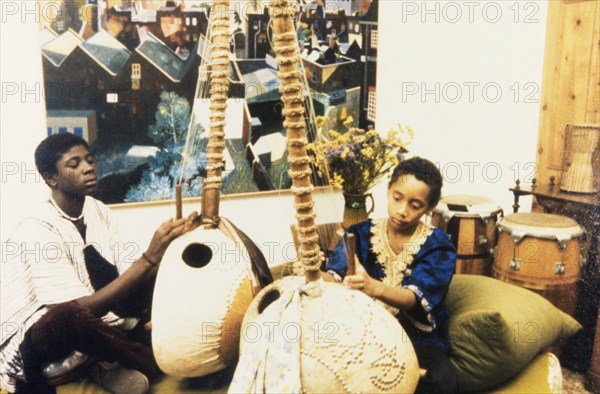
[43, 265]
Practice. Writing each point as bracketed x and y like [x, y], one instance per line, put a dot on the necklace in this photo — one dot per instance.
[63, 214]
[396, 265]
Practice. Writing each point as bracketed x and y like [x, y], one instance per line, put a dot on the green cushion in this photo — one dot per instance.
[542, 375]
[497, 328]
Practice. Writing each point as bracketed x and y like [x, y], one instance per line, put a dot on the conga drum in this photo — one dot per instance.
[471, 223]
[541, 252]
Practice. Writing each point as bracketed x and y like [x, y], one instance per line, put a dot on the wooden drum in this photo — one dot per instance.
[471, 223]
[541, 252]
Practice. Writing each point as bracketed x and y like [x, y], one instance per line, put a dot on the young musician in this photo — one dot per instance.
[407, 265]
[71, 284]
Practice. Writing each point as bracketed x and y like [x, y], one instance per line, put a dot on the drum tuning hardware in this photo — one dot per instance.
[483, 241]
[493, 252]
[515, 264]
[517, 236]
[559, 268]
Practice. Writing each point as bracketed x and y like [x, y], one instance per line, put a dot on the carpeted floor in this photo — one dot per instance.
[573, 382]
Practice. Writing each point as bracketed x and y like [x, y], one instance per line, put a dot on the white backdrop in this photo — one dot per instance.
[466, 76]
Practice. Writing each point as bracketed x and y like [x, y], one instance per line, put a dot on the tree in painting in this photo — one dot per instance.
[169, 133]
[172, 119]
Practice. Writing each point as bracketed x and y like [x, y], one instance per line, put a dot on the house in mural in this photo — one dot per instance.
[257, 34]
[265, 143]
[79, 122]
[335, 87]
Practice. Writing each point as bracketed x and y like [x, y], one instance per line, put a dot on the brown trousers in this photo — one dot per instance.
[68, 327]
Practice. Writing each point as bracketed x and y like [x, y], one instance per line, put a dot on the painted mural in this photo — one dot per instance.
[129, 77]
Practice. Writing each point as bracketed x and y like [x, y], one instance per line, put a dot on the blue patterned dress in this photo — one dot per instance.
[425, 266]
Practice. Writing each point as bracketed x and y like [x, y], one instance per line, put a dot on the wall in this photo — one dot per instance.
[266, 218]
[466, 77]
[22, 117]
[480, 135]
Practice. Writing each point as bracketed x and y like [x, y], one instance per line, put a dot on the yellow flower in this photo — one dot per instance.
[410, 131]
[367, 152]
[349, 120]
[372, 133]
[366, 175]
[345, 153]
[358, 159]
[321, 120]
[337, 180]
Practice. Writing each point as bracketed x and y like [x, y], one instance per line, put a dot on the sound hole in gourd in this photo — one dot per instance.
[268, 299]
[197, 255]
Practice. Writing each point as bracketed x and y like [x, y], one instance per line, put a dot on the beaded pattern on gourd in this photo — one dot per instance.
[385, 372]
[396, 266]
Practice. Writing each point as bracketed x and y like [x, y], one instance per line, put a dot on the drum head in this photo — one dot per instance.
[536, 219]
[463, 205]
[540, 225]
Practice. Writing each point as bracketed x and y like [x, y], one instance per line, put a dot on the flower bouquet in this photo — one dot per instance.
[358, 159]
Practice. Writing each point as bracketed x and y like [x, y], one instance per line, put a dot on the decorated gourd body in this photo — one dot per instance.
[322, 338]
[301, 334]
[203, 289]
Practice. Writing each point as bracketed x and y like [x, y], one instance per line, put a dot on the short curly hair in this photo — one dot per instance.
[49, 151]
[425, 171]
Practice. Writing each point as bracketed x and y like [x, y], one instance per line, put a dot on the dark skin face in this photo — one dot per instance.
[75, 178]
[408, 201]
